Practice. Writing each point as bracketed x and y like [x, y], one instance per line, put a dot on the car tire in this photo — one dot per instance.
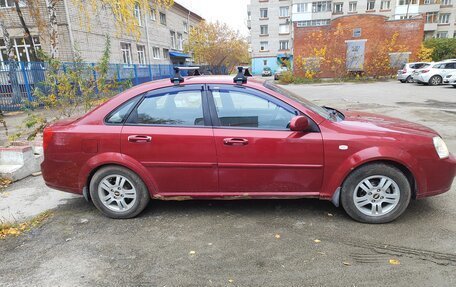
[454, 86]
[435, 81]
[118, 192]
[384, 200]
[409, 79]
[402, 81]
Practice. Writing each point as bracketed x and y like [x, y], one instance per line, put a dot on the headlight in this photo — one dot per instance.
[441, 148]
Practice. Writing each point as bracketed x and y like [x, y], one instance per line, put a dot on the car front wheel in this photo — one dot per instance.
[118, 192]
[376, 193]
[435, 80]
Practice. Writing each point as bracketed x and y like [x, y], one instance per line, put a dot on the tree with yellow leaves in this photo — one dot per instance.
[217, 45]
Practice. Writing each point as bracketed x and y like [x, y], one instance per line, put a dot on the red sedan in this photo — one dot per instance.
[210, 137]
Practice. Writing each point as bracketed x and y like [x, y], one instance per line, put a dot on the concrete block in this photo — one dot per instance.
[19, 161]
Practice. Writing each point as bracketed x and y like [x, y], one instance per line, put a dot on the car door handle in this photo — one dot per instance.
[235, 141]
[139, 139]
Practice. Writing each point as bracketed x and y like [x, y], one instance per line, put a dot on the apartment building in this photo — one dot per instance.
[161, 41]
[271, 29]
[271, 38]
[440, 15]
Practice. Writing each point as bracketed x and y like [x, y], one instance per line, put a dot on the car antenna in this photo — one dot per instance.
[240, 77]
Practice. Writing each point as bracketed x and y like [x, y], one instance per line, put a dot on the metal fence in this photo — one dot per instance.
[18, 80]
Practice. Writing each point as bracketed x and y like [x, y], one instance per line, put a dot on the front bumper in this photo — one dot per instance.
[439, 176]
[451, 81]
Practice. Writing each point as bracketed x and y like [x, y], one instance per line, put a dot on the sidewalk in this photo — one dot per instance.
[28, 198]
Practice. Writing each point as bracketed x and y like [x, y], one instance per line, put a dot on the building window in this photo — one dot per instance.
[185, 24]
[322, 22]
[141, 54]
[321, 6]
[153, 14]
[411, 2]
[352, 6]
[338, 8]
[442, 34]
[165, 54]
[21, 49]
[162, 18]
[137, 13]
[263, 30]
[371, 5]
[444, 18]
[356, 32]
[303, 7]
[284, 11]
[264, 13]
[265, 62]
[10, 3]
[180, 41]
[431, 17]
[284, 45]
[173, 39]
[284, 29]
[385, 5]
[156, 52]
[445, 2]
[126, 53]
[264, 46]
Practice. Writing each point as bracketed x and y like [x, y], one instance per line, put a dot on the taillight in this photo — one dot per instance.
[404, 71]
[424, 71]
[47, 137]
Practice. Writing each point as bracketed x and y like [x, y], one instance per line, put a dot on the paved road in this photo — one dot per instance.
[217, 243]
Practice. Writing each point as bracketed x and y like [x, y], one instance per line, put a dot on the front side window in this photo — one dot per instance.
[176, 109]
[244, 110]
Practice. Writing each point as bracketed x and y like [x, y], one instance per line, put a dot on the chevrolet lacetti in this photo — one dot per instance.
[212, 137]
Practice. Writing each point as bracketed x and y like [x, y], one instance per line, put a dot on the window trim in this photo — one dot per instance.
[257, 93]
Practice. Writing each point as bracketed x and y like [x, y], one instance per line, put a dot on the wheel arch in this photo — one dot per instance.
[392, 156]
[113, 159]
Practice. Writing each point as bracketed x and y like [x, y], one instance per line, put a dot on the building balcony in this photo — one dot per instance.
[430, 27]
[429, 8]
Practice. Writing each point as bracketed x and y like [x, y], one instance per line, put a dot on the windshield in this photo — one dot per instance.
[308, 104]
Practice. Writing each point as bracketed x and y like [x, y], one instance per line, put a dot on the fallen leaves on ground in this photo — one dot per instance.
[394, 262]
[192, 252]
[4, 183]
[346, 263]
[277, 236]
[317, 240]
[16, 229]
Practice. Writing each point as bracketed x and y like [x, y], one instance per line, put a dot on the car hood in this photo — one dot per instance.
[380, 123]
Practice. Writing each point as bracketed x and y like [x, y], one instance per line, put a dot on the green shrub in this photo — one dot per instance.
[443, 48]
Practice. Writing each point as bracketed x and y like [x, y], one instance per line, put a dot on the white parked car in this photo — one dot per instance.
[450, 79]
[435, 74]
[404, 75]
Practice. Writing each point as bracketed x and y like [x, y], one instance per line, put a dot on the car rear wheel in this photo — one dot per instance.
[402, 81]
[118, 192]
[435, 80]
[376, 193]
[409, 79]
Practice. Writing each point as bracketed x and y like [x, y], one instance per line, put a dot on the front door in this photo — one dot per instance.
[257, 153]
[169, 133]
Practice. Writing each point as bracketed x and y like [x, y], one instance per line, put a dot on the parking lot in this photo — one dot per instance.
[253, 242]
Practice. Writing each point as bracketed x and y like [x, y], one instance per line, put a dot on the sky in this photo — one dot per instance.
[231, 12]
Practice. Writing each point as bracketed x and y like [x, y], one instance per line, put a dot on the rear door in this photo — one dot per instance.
[169, 132]
[257, 153]
[448, 68]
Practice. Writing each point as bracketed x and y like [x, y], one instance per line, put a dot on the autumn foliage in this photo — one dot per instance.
[216, 44]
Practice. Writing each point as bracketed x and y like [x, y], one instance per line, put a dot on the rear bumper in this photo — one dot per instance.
[60, 176]
[440, 175]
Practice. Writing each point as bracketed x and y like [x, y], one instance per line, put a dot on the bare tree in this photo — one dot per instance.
[27, 36]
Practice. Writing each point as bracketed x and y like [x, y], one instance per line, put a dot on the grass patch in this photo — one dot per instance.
[16, 229]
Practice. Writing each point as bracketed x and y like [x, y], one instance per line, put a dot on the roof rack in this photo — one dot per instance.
[177, 79]
[241, 77]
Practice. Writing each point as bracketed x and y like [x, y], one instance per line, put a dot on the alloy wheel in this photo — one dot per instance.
[376, 195]
[117, 193]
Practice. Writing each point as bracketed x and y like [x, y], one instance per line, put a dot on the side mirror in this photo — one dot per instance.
[299, 124]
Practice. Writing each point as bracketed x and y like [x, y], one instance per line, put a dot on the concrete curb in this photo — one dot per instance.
[20, 160]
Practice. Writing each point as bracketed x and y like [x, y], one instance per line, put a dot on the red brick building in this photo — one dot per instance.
[356, 43]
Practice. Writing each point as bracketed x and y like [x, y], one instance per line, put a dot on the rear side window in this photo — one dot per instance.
[439, 66]
[450, 66]
[119, 115]
[178, 109]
